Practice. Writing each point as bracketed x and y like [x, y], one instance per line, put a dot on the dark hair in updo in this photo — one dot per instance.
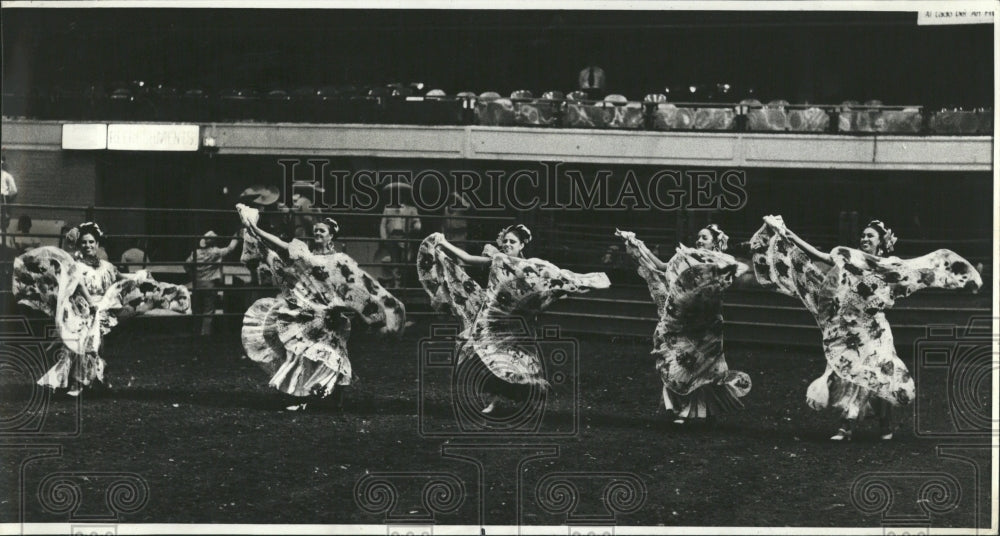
[721, 238]
[520, 231]
[332, 225]
[92, 229]
[886, 238]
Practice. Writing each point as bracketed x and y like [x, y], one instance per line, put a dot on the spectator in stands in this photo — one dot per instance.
[134, 258]
[302, 220]
[400, 221]
[206, 271]
[8, 193]
[23, 241]
[400, 218]
[592, 82]
[615, 261]
[7, 256]
[454, 226]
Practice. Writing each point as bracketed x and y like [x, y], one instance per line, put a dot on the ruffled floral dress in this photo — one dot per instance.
[849, 303]
[697, 382]
[300, 336]
[51, 281]
[498, 323]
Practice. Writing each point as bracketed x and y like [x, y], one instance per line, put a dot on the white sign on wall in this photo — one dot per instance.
[85, 137]
[955, 16]
[139, 137]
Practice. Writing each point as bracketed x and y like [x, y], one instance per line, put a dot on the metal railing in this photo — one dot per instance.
[238, 279]
[626, 311]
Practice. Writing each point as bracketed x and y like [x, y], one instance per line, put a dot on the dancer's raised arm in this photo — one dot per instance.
[779, 226]
[643, 252]
[249, 218]
[660, 265]
[463, 256]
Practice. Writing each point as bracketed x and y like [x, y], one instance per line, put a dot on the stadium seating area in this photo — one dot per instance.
[698, 109]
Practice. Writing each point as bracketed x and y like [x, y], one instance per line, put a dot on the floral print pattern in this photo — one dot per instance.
[50, 280]
[498, 323]
[688, 337]
[849, 303]
[300, 337]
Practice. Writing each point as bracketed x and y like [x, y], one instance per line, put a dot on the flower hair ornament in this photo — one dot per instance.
[72, 235]
[92, 229]
[519, 230]
[332, 224]
[721, 238]
[887, 240]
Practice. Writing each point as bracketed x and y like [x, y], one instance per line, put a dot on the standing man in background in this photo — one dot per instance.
[204, 264]
[8, 193]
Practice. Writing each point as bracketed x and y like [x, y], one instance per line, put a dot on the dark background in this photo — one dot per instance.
[819, 57]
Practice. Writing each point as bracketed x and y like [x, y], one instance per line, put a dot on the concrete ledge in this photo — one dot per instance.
[715, 150]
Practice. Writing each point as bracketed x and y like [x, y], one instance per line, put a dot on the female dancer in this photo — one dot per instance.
[324, 233]
[87, 295]
[697, 383]
[863, 373]
[300, 337]
[497, 321]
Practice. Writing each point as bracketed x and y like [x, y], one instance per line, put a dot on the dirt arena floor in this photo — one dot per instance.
[196, 430]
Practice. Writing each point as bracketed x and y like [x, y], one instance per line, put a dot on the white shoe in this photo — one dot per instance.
[74, 392]
[489, 409]
[887, 437]
[841, 435]
[679, 421]
[296, 407]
